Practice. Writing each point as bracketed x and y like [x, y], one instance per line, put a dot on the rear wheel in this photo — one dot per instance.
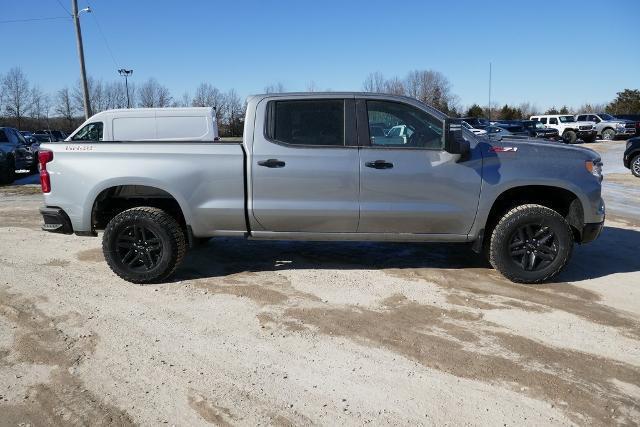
[143, 245]
[635, 166]
[530, 244]
[608, 134]
[569, 137]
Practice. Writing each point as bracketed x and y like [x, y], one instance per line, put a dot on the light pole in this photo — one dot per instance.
[126, 74]
[83, 72]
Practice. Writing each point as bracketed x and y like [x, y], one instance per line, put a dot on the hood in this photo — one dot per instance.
[584, 122]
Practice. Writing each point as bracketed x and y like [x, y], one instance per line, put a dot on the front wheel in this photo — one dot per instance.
[608, 134]
[530, 244]
[143, 245]
[635, 166]
[569, 137]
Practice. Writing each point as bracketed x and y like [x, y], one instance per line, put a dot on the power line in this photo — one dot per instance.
[65, 9]
[33, 19]
[104, 38]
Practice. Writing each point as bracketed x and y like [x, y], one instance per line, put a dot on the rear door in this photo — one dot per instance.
[413, 186]
[304, 165]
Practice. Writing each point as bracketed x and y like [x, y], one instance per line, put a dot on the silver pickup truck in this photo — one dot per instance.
[309, 168]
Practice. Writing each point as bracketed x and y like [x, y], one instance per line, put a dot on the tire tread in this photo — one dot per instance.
[164, 220]
[499, 233]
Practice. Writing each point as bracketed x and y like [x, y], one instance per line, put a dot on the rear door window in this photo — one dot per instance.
[553, 121]
[317, 122]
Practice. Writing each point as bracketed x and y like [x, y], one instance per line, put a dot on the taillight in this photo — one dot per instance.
[44, 157]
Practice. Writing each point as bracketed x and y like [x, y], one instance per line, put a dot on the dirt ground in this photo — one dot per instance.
[286, 333]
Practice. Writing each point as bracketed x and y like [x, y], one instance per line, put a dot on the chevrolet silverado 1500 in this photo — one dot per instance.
[308, 168]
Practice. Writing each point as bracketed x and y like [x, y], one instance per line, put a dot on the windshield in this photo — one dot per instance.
[539, 125]
[605, 116]
[567, 119]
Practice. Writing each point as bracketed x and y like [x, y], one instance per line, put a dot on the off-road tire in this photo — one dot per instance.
[608, 134]
[569, 137]
[8, 172]
[634, 165]
[500, 247]
[165, 230]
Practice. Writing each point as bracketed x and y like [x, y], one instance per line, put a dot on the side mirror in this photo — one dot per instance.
[454, 141]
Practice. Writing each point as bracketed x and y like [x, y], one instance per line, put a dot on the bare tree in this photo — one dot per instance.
[97, 98]
[312, 86]
[16, 94]
[275, 88]
[40, 103]
[375, 82]
[208, 95]
[591, 108]
[153, 94]
[528, 109]
[186, 100]
[65, 106]
[115, 95]
[394, 86]
[233, 115]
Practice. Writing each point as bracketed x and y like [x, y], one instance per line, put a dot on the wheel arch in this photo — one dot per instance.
[564, 201]
[113, 198]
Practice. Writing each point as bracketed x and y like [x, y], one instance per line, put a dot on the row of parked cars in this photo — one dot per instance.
[19, 150]
[565, 127]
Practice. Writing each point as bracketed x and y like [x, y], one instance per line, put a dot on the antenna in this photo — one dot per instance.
[489, 91]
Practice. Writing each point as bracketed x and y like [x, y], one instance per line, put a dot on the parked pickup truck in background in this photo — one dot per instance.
[308, 168]
[607, 126]
[568, 128]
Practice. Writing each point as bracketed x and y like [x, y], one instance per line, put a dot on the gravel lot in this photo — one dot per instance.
[302, 333]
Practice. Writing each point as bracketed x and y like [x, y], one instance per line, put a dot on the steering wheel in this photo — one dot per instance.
[419, 138]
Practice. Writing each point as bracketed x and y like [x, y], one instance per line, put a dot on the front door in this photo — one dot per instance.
[408, 183]
[304, 166]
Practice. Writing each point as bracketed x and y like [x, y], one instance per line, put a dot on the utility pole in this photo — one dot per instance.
[489, 91]
[126, 74]
[83, 72]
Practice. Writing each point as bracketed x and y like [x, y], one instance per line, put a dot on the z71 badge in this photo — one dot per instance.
[503, 149]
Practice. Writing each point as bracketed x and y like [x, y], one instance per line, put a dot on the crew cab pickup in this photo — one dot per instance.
[308, 168]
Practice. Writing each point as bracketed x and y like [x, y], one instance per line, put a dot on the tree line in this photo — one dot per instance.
[25, 106]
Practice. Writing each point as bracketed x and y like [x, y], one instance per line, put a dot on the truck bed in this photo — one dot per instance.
[207, 179]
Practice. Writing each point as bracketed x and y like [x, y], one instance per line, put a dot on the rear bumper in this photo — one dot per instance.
[590, 232]
[56, 220]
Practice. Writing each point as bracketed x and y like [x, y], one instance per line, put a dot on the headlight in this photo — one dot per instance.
[594, 167]
[2, 155]
[620, 125]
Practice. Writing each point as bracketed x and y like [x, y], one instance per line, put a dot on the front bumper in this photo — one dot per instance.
[56, 220]
[590, 232]
[586, 133]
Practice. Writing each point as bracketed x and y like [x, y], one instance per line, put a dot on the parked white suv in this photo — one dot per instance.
[568, 128]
